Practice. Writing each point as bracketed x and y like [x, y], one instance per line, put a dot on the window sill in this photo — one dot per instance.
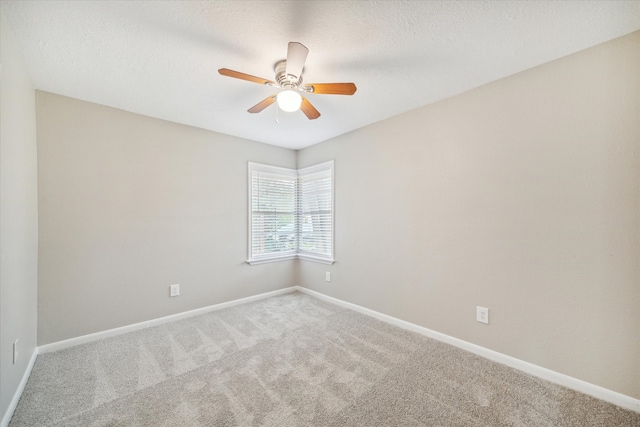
[270, 259]
[288, 257]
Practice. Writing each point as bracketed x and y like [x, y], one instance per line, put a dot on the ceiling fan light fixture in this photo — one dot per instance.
[289, 100]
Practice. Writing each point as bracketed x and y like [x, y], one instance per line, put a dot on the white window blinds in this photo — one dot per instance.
[290, 213]
[315, 212]
[273, 210]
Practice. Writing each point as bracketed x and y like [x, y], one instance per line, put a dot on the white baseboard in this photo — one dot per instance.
[72, 342]
[602, 393]
[16, 396]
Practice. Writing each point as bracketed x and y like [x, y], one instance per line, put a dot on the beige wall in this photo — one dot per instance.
[18, 218]
[130, 205]
[522, 196]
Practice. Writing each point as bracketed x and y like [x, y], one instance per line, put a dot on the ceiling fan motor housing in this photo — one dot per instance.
[286, 81]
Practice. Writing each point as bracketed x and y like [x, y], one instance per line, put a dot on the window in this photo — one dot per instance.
[315, 212]
[290, 213]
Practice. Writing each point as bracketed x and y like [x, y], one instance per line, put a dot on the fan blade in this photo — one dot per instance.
[308, 109]
[242, 76]
[262, 104]
[331, 88]
[296, 56]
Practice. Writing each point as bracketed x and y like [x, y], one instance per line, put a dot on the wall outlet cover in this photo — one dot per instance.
[174, 290]
[482, 314]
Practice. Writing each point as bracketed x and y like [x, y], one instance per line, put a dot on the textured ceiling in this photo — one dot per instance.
[160, 58]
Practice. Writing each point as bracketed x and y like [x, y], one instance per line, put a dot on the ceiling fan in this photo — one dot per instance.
[289, 79]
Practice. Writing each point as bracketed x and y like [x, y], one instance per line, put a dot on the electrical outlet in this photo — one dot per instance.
[15, 352]
[327, 276]
[482, 314]
[174, 290]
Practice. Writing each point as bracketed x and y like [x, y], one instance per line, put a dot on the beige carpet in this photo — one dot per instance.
[292, 360]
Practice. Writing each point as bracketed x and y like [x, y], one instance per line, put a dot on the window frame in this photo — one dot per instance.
[288, 173]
